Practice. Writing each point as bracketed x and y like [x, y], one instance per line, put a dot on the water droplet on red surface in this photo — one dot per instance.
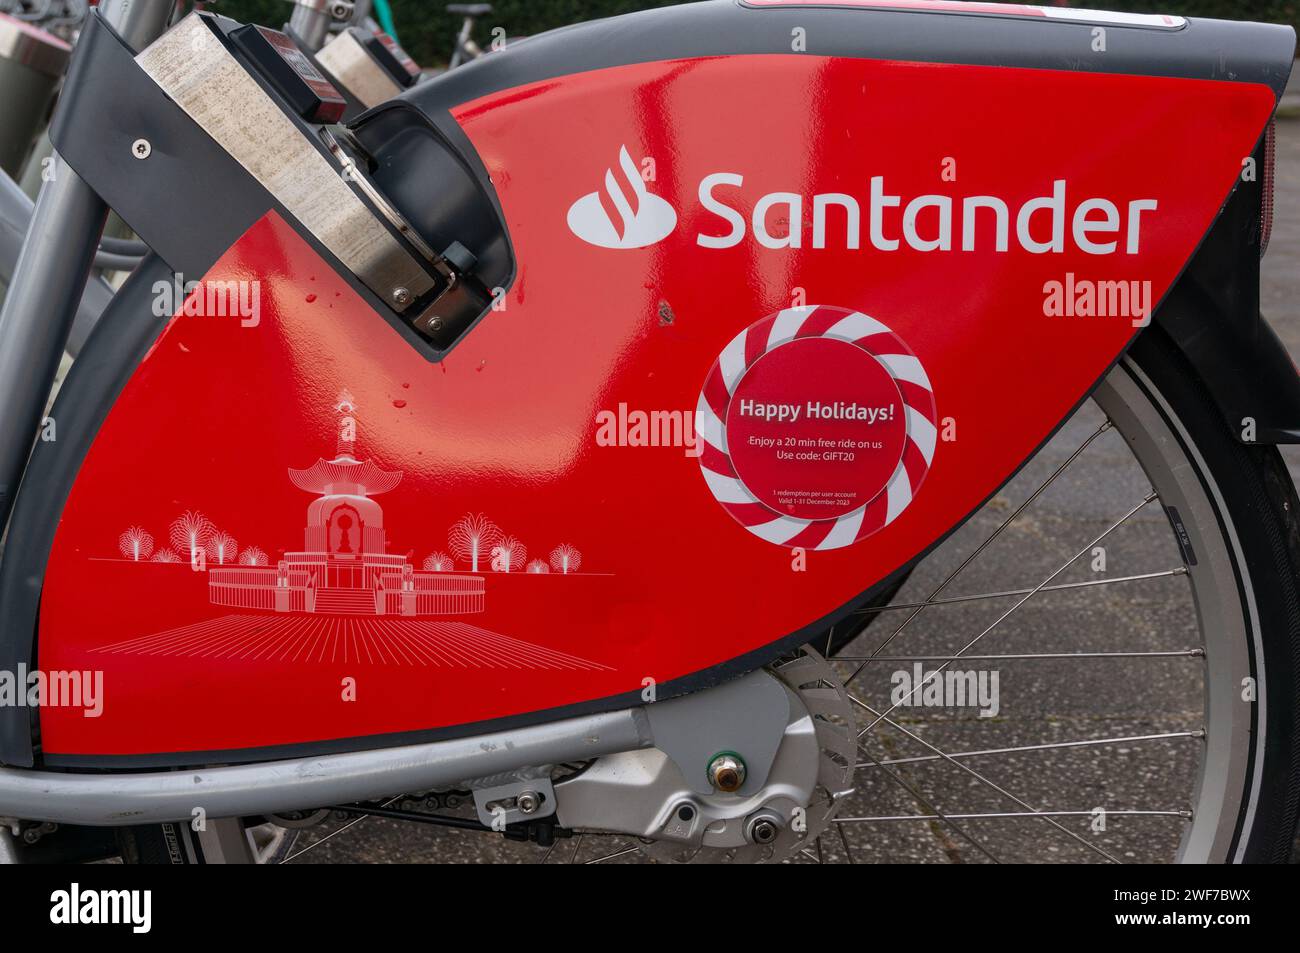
[311, 298]
[399, 404]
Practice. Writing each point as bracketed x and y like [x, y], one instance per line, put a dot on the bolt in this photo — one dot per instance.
[763, 831]
[401, 297]
[141, 148]
[435, 324]
[528, 802]
[726, 772]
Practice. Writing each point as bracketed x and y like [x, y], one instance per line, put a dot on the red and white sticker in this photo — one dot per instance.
[817, 427]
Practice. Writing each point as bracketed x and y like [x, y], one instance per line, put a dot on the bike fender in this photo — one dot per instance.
[382, 504]
[1212, 314]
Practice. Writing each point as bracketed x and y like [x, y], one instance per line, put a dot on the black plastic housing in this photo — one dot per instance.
[438, 187]
[295, 77]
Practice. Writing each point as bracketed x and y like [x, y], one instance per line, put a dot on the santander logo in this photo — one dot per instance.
[1053, 219]
[642, 218]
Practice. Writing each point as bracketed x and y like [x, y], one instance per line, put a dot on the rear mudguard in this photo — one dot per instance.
[689, 206]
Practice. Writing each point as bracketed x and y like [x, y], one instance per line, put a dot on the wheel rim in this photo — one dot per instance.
[1225, 609]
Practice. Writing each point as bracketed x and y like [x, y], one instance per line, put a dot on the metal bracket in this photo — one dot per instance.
[747, 715]
[516, 802]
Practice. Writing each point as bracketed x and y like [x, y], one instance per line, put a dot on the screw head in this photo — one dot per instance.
[763, 831]
[528, 802]
[401, 297]
[141, 149]
[726, 772]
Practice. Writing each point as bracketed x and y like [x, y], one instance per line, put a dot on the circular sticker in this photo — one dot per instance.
[817, 426]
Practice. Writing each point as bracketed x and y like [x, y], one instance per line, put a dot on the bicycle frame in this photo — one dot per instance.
[15, 219]
[479, 112]
[50, 277]
[466, 49]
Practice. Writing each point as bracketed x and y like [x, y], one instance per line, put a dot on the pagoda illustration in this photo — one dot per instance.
[344, 568]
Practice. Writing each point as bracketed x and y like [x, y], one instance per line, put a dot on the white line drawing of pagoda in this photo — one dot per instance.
[343, 568]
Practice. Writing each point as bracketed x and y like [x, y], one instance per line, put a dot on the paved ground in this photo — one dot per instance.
[1041, 701]
[1281, 282]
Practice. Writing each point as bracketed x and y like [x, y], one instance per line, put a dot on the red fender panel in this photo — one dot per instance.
[293, 529]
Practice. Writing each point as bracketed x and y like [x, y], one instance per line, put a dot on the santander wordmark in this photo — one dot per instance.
[928, 223]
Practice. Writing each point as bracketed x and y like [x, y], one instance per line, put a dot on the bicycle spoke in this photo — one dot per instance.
[925, 803]
[333, 834]
[979, 777]
[1002, 618]
[623, 852]
[1008, 593]
[1105, 425]
[844, 839]
[1198, 733]
[1180, 653]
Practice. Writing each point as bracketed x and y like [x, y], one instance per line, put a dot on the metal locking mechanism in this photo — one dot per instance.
[196, 69]
[226, 120]
[373, 68]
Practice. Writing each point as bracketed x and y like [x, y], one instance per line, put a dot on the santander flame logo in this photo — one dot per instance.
[643, 218]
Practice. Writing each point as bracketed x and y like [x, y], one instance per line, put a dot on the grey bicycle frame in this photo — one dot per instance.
[50, 278]
[15, 218]
[310, 21]
[466, 49]
[106, 800]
